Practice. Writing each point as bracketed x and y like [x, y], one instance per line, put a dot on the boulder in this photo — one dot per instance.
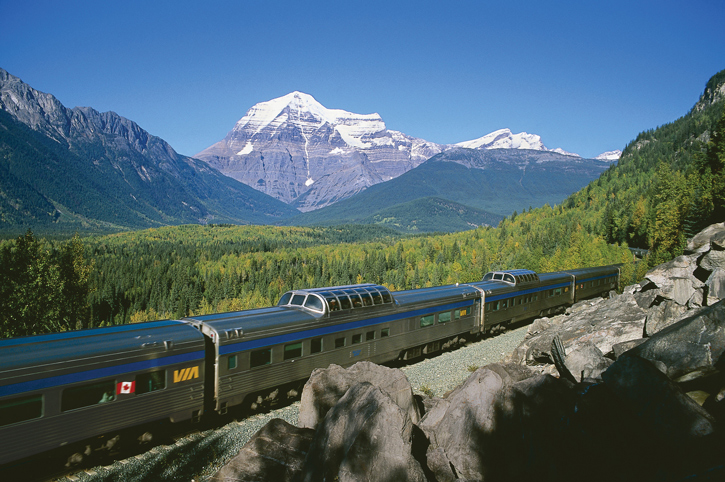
[675, 280]
[364, 437]
[681, 436]
[276, 452]
[645, 299]
[662, 315]
[714, 259]
[586, 361]
[326, 387]
[716, 286]
[609, 322]
[701, 242]
[464, 429]
[690, 348]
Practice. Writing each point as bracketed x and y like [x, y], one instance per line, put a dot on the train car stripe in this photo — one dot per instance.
[327, 330]
[83, 376]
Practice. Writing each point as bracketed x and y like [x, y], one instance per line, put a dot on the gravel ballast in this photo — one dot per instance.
[199, 456]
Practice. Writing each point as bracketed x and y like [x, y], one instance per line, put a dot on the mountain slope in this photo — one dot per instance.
[667, 185]
[297, 150]
[497, 181]
[103, 170]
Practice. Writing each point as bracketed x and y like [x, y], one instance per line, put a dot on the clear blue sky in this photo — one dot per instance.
[585, 76]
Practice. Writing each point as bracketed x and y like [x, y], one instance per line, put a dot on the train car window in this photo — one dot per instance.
[297, 300]
[356, 301]
[369, 336]
[316, 345]
[457, 315]
[21, 409]
[384, 332]
[365, 296]
[487, 277]
[314, 303]
[232, 362]
[260, 358]
[293, 350]
[150, 382]
[356, 338]
[504, 304]
[509, 278]
[284, 299]
[444, 317]
[498, 276]
[488, 306]
[339, 342]
[496, 305]
[386, 297]
[87, 395]
[427, 320]
[344, 300]
[333, 304]
[377, 298]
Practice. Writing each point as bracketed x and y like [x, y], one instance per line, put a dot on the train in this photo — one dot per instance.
[82, 391]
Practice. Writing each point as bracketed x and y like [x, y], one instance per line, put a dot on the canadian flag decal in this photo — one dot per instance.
[125, 387]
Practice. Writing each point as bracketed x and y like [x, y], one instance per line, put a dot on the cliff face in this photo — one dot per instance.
[304, 154]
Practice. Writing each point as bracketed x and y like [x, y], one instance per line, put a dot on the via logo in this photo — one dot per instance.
[356, 352]
[186, 374]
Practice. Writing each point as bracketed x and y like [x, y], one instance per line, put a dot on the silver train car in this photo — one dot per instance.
[81, 390]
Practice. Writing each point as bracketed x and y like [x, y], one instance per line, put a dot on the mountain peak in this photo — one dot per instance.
[301, 109]
[505, 139]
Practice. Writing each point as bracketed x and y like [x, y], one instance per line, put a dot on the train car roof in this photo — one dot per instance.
[124, 344]
[239, 324]
[437, 293]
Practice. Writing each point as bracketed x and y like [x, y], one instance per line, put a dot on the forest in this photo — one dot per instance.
[669, 184]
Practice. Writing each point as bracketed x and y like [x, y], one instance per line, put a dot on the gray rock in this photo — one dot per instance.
[645, 299]
[476, 431]
[690, 348]
[674, 419]
[716, 286]
[364, 437]
[676, 279]
[454, 426]
[326, 387]
[606, 324]
[586, 361]
[276, 452]
[663, 315]
[700, 243]
[620, 348]
[714, 259]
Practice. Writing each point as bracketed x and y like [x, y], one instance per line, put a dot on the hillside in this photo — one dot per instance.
[668, 184]
[79, 169]
[492, 183]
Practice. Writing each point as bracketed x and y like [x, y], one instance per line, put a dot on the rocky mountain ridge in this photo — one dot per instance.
[296, 150]
[100, 169]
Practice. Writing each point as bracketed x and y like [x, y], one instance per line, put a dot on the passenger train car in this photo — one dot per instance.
[81, 390]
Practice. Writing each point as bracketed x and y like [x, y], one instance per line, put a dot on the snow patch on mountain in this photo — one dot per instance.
[609, 155]
[247, 149]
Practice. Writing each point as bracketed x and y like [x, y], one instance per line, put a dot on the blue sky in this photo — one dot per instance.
[585, 76]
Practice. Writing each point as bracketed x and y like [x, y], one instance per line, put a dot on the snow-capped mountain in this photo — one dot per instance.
[609, 156]
[296, 150]
[307, 155]
[505, 139]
